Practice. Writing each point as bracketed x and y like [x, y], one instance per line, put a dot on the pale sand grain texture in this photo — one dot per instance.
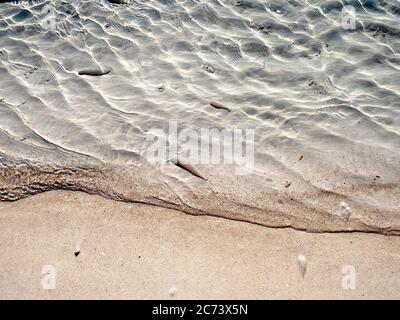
[139, 251]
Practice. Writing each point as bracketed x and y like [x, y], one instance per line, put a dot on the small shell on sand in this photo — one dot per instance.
[346, 211]
[172, 291]
[302, 264]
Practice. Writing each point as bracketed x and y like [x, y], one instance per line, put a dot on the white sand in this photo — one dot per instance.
[139, 251]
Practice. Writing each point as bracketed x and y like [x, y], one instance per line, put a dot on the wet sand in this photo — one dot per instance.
[139, 251]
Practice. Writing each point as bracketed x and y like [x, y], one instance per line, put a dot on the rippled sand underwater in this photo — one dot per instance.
[84, 83]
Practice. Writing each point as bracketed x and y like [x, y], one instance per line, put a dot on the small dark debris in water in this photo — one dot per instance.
[189, 168]
[117, 1]
[218, 105]
[301, 157]
[312, 83]
[266, 29]
[288, 184]
[77, 252]
[94, 72]
[208, 68]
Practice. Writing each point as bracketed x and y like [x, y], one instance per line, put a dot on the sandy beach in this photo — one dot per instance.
[134, 251]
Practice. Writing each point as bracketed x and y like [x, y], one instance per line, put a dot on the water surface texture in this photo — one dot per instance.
[83, 83]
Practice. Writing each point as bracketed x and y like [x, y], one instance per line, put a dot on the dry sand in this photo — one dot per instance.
[142, 252]
[85, 86]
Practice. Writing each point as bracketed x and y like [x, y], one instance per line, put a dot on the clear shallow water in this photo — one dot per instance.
[311, 90]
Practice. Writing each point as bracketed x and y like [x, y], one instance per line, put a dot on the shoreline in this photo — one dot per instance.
[250, 198]
[142, 252]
